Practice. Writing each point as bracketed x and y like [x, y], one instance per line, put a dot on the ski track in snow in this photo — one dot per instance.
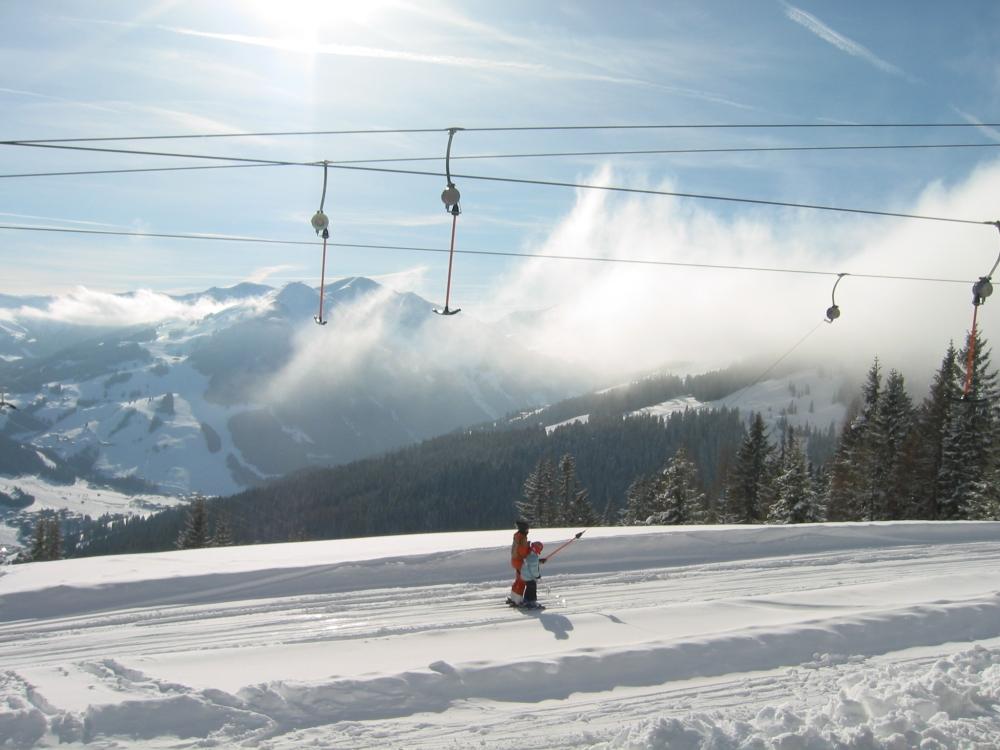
[834, 636]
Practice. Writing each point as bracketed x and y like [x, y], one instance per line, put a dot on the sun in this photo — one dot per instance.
[311, 22]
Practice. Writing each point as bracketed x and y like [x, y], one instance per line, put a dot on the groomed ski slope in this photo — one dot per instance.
[802, 637]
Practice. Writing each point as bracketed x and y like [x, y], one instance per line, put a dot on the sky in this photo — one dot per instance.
[819, 636]
[79, 70]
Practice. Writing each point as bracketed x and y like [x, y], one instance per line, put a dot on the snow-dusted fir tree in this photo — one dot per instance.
[538, 503]
[638, 502]
[195, 532]
[574, 508]
[54, 539]
[46, 541]
[969, 452]
[925, 486]
[854, 464]
[221, 534]
[750, 478]
[795, 501]
[677, 499]
[894, 422]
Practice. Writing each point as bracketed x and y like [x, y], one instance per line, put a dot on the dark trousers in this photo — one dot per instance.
[531, 591]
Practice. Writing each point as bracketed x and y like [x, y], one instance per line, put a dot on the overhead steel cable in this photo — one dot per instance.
[510, 129]
[466, 251]
[539, 155]
[517, 181]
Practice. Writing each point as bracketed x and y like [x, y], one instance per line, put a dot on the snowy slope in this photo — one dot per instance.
[828, 636]
[213, 392]
[806, 397]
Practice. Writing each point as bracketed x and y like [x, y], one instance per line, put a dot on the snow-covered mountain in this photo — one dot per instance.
[880, 636]
[212, 392]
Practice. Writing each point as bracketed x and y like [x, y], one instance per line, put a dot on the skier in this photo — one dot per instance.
[531, 573]
[518, 551]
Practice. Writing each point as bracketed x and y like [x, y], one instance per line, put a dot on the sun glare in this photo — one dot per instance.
[310, 22]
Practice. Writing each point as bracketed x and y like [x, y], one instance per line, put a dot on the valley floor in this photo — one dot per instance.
[828, 636]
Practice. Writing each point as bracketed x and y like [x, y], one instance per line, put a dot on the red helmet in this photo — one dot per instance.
[536, 547]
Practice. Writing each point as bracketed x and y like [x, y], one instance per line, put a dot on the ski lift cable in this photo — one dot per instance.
[524, 181]
[523, 128]
[538, 155]
[493, 253]
[770, 368]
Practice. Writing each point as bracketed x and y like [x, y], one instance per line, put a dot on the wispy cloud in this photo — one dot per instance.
[986, 130]
[591, 54]
[260, 275]
[300, 46]
[65, 221]
[85, 306]
[841, 42]
[59, 99]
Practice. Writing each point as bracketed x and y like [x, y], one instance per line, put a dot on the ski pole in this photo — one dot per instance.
[564, 545]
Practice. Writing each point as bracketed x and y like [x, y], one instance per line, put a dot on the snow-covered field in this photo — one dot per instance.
[798, 638]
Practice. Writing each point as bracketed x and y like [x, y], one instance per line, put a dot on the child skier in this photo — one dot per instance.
[531, 572]
[518, 551]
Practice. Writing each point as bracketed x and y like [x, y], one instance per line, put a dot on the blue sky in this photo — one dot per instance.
[82, 69]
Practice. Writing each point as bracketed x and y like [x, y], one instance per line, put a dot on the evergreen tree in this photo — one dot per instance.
[853, 476]
[867, 455]
[54, 539]
[195, 532]
[46, 540]
[795, 501]
[537, 505]
[751, 476]
[677, 499]
[968, 453]
[638, 502]
[574, 508]
[893, 426]
[221, 535]
[925, 488]
[39, 540]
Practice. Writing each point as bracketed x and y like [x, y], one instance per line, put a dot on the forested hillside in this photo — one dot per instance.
[894, 459]
[464, 481]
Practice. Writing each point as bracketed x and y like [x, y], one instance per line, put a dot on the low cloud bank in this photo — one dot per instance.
[630, 317]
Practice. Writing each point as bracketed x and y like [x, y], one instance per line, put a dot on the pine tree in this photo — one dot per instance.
[221, 535]
[39, 541]
[983, 503]
[638, 502]
[894, 423]
[47, 540]
[968, 453]
[573, 508]
[795, 501]
[195, 532]
[924, 488]
[751, 476]
[54, 539]
[853, 476]
[677, 499]
[533, 505]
